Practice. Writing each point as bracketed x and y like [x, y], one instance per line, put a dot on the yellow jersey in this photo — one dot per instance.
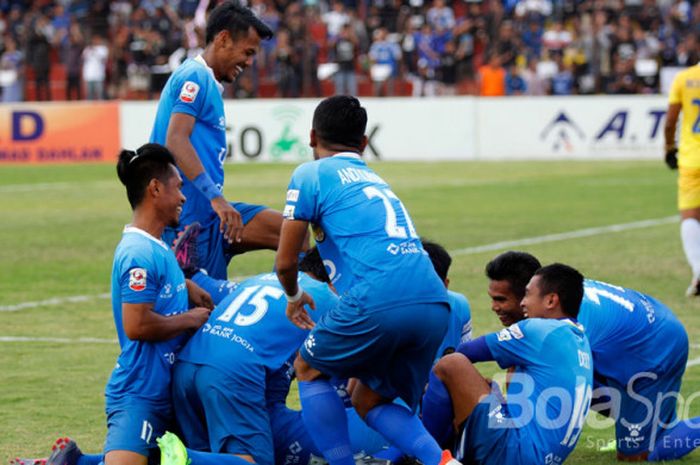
[685, 90]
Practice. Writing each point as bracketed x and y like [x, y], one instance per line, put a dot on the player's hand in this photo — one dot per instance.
[198, 296]
[297, 314]
[231, 225]
[671, 158]
[198, 316]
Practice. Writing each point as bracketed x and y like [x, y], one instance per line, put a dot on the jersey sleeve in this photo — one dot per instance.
[189, 91]
[461, 306]
[675, 95]
[517, 345]
[138, 280]
[303, 194]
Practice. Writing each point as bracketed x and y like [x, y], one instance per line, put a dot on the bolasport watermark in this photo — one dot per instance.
[640, 418]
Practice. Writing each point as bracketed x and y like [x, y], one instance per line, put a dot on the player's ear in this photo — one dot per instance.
[154, 187]
[313, 139]
[364, 143]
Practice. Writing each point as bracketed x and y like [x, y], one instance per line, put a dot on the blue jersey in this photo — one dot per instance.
[193, 90]
[621, 321]
[145, 271]
[252, 321]
[550, 391]
[459, 328]
[364, 234]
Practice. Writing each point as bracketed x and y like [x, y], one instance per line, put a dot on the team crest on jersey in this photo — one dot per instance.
[319, 235]
[189, 91]
[137, 279]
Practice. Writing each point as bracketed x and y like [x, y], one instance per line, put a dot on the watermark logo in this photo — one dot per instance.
[288, 143]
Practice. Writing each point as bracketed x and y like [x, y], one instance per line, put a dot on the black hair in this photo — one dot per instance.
[515, 267]
[136, 169]
[313, 263]
[235, 18]
[564, 281]
[439, 256]
[340, 120]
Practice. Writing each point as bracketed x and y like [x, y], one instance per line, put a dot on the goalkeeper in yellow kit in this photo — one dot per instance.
[685, 97]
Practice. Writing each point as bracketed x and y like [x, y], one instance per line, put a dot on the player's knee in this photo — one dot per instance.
[304, 371]
[447, 365]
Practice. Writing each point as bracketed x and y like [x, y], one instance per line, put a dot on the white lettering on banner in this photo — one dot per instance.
[578, 127]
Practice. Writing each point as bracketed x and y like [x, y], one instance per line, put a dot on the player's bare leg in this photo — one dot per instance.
[125, 457]
[262, 232]
[467, 387]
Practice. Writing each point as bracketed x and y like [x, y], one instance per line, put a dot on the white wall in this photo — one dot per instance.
[450, 128]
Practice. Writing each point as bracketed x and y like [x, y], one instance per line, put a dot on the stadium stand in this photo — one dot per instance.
[126, 49]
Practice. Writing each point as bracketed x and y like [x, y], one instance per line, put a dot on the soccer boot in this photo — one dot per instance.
[185, 249]
[172, 450]
[19, 461]
[447, 459]
[64, 452]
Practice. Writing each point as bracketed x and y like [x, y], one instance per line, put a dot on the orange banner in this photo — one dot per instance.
[75, 132]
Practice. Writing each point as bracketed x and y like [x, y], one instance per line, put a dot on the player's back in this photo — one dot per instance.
[685, 90]
[145, 271]
[364, 234]
[553, 364]
[252, 322]
[193, 90]
[629, 332]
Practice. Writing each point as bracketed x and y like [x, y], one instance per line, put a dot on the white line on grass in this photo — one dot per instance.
[52, 301]
[9, 188]
[588, 232]
[465, 251]
[60, 340]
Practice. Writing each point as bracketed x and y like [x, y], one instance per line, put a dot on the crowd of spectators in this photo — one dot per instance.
[127, 48]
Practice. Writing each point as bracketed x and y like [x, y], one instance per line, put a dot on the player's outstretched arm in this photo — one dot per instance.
[292, 236]
[178, 142]
[141, 323]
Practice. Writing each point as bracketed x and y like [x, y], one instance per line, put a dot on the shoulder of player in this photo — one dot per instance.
[457, 300]
[192, 71]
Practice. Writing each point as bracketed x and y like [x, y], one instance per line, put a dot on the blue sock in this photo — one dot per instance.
[324, 414]
[404, 430]
[87, 459]
[392, 454]
[209, 458]
[219, 289]
[677, 441]
[437, 410]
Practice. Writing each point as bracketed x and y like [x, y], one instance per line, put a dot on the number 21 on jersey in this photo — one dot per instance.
[392, 227]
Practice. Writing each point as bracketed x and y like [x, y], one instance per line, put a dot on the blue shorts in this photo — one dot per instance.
[391, 351]
[637, 429]
[135, 427]
[214, 253]
[223, 412]
[487, 436]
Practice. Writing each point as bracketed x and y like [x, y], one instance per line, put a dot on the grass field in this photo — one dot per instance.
[59, 226]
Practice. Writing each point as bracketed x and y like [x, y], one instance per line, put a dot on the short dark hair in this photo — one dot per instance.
[340, 120]
[564, 281]
[439, 256]
[313, 263]
[136, 169]
[235, 18]
[515, 267]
